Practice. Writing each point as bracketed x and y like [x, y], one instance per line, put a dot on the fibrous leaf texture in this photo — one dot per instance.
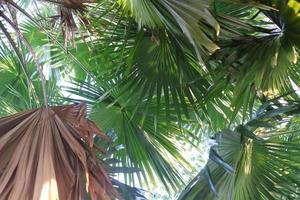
[48, 154]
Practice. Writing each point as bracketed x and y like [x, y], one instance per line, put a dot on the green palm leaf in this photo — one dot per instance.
[148, 141]
[193, 18]
[264, 159]
[274, 49]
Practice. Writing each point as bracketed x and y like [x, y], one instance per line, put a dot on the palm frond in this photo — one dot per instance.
[192, 18]
[258, 160]
[49, 149]
[148, 141]
[274, 50]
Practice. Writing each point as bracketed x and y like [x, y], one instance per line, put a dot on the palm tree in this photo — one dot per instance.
[160, 74]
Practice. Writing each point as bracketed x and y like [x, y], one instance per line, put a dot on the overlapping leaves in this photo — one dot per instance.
[150, 58]
[192, 18]
[148, 141]
[262, 55]
[258, 160]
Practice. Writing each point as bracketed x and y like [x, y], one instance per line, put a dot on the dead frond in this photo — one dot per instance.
[48, 154]
[68, 11]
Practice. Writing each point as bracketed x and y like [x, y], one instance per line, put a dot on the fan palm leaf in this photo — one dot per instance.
[45, 155]
[258, 160]
[177, 16]
[274, 48]
[148, 142]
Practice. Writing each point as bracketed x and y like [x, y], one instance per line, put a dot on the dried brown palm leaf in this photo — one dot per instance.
[76, 4]
[48, 154]
[67, 10]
